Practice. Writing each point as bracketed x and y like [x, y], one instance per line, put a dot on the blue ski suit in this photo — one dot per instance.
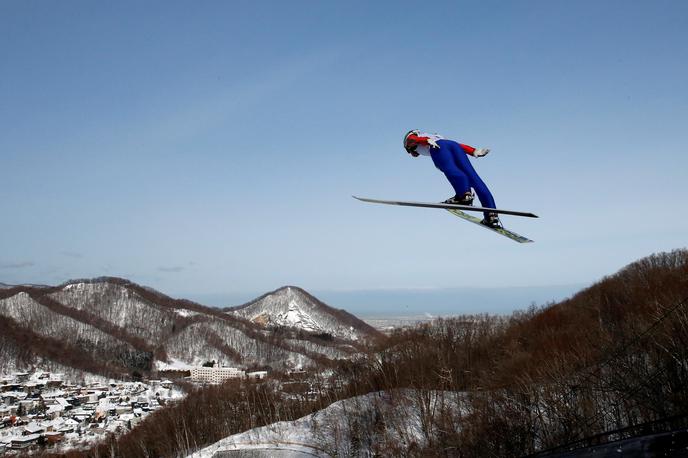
[450, 158]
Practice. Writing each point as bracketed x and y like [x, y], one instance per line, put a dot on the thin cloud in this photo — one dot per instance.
[17, 265]
[72, 254]
[171, 269]
[199, 114]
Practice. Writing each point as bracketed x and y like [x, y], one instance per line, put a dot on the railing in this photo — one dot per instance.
[664, 425]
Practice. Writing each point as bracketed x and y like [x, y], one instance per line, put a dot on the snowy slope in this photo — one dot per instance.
[361, 426]
[120, 306]
[199, 343]
[29, 313]
[293, 307]
[113, 319]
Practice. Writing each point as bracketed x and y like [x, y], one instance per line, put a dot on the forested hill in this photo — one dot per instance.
[116, 328]
[612, 356]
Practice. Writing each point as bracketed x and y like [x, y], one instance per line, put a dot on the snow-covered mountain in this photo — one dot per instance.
[116, 327]
[292, 307]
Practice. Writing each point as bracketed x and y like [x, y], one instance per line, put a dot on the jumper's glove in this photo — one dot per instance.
[480, 152]
[433, 143]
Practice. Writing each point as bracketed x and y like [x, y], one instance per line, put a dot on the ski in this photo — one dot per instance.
[446, 206]
[499, 230]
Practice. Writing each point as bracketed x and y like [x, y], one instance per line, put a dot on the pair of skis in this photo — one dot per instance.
[458, 210]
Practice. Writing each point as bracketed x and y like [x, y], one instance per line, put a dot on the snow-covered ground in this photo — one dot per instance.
[185, 313]
[352, 427]
[298, 318]
[174, 365]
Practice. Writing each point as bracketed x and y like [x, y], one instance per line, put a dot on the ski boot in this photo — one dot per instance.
[492, 221]
[465, 199]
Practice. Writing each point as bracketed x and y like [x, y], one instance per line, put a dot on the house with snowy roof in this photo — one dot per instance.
[69, 426]
[12, 397]
[257, 375]
[21, 442]
[33, 428]
[56, 407]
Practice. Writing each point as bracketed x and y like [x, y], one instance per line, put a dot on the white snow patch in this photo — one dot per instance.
[76, 286]
[185, 313]
[329, 432]
[172, 365]
[296, 317]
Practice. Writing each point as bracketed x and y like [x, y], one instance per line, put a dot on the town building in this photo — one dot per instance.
[38, 410]
[257, 375]
[215, 374]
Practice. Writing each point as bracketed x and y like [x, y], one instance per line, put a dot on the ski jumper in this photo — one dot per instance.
[450, 158]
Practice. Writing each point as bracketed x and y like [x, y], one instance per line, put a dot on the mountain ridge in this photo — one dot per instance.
[137, 329]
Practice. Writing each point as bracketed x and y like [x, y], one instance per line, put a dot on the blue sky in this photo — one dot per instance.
[211, 149]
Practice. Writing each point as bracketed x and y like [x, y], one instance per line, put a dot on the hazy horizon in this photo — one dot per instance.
[404, 302]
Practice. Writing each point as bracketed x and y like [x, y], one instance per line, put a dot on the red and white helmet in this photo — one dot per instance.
[410, 146]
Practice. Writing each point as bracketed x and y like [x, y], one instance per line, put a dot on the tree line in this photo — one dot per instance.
[613, 356]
